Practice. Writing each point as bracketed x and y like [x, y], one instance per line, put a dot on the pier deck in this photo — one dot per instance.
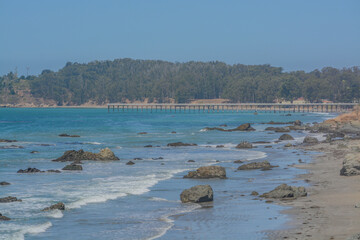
[231, 107]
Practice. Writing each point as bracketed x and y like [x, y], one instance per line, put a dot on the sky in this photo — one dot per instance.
[293, 34]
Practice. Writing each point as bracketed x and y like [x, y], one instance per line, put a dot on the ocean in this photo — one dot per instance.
[112, 200]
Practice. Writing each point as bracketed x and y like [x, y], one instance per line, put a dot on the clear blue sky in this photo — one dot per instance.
[293, 34]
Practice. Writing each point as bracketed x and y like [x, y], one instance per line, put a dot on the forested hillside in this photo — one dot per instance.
[127, 79]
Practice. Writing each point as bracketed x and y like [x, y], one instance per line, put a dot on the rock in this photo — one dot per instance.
[310, 140]
[77, 156]
[158, 158]
[357, 205]
[4, 183]
[238, 161]
[288, 145]
[268, 146]
[223, 125]
[208, 172]
[148, 146]
[244, 145]
[197, 194]
[73, 167]
[53, 171]
[173, 132]
[286, 191]
[261, 142]
[280, 129]
[254, 193]
[34, 152]
[4, 218]
[67, 135]
[57, 206]
[180, 144]
[285, 137]
[191, 161]
[351, 165]
[288, 115]
[7, 141]
[9, 199]
[242, 127]
[142, 133]
[220, 146]
[277, 129]
[136, 159]
[297, 123]
[256, 165]
[130, 163]
[29, 170]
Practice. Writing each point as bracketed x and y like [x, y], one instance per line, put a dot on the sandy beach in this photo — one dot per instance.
[328, 212]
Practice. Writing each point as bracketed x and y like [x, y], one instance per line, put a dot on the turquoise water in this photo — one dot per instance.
[111, 200]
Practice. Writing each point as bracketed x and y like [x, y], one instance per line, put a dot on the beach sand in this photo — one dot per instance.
[328, 212]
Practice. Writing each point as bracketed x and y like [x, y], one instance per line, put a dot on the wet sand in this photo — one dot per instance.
[328, 212]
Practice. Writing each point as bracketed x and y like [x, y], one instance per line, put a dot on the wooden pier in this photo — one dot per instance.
[230, 107]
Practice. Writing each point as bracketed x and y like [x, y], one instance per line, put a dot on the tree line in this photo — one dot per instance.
[127, 79]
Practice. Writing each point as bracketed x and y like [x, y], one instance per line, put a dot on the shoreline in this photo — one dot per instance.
[328, 212]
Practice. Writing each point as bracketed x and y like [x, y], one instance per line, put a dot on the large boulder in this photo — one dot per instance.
[351, 165]
[310, 140]
[73, 167]
[197, 194]
[57, 206]
[208, 172]
[286, 137]
[354, 237]
[9, 199]
[256, 165]
[286, 191]
[244, 145]
[4, 218]
[77, 156]
[181, 144]
[4, 183]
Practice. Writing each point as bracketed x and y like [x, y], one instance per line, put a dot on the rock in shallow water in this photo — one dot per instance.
[286, 191]
[208, 172]
[4, 218]
[73, 167]
[77, 156]
[197, 194]
[286, 137]
[57, 206]
[310, 140]
[4, 183]
[181, 144]
[130, 163]
[256, 165]
[9, 199]
[244, 145]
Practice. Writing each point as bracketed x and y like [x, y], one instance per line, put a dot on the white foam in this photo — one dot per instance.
[166, 218]
[55, 214]
[93, 143]
[18, 232]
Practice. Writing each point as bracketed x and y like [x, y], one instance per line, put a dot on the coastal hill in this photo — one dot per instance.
[128, 80]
